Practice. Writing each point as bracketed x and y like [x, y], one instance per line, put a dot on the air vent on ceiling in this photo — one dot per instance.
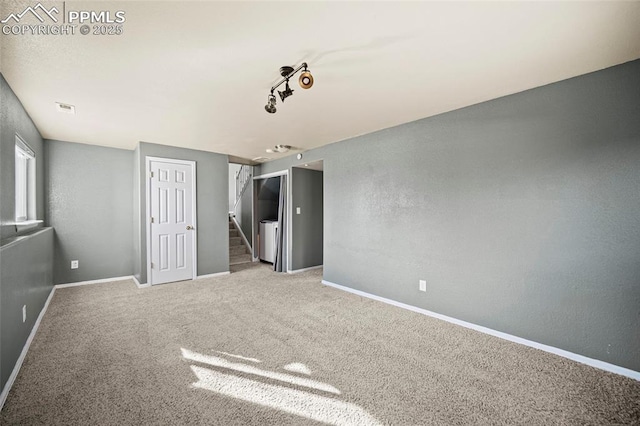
[260, 159]
[69, 109]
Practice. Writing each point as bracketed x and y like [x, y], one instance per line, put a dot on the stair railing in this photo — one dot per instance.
[243, 177]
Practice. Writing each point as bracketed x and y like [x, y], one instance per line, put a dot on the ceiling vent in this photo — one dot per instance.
[66, 108]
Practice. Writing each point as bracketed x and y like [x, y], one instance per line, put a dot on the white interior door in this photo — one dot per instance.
[172, 223]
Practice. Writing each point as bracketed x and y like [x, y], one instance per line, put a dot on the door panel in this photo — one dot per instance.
[172, 224]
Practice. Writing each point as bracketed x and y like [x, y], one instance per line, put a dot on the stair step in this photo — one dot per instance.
[235, 241]
[233, 233]
[239, 258]
[237, 249]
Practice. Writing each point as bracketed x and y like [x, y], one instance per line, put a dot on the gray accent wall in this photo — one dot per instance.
[521, 214]
[306, 194]
[89, 204]
[26, 279]
[26, 261]
[212, 174]
[14, 119]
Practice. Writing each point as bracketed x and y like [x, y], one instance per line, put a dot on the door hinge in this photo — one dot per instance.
[152, 220]
[151, 175]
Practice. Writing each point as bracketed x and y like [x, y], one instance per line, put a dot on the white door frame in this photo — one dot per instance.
[288, 212]
[147, 177]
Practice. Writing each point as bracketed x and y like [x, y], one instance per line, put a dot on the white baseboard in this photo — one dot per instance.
[25, 349]
[217, 274]
[137, 283]
[311, 268]
[551, 349]
[104, 280]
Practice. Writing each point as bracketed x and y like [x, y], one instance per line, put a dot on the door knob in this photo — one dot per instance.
[189, 227]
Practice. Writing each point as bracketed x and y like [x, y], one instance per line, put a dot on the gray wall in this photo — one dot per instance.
[25, 261]
[89, 191]
[212, 174]
[521, 213]
[14, 119]
[306, 193]
[26, 279]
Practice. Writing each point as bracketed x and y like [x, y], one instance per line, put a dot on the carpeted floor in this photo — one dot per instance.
[260, 348]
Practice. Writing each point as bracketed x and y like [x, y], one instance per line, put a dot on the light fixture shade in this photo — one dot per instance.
[287, 92]
[270, 107]
[306, 80]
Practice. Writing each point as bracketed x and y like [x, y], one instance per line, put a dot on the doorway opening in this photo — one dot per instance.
[271, 220]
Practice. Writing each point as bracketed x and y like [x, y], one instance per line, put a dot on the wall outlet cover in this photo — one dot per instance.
[423, 285]
[24, 313]
[74, 264]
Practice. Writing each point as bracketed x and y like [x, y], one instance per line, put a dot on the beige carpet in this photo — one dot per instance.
[260, 348]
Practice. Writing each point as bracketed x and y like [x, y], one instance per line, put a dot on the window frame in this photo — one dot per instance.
[25, 174]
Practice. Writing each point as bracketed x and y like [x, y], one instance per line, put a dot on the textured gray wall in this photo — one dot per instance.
[212, 174]
[521, 213]
[306, 227]
[14, 119]
[25, 265]
[89, 191]
[26, 275]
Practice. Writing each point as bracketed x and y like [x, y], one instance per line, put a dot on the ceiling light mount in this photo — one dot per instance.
[279, 148]
[287, 72]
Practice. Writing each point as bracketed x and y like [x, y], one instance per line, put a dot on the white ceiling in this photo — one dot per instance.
[197, 74]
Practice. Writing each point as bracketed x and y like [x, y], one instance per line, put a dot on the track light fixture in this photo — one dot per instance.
[305, 81]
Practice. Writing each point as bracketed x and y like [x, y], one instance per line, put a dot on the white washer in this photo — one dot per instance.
[268, 235]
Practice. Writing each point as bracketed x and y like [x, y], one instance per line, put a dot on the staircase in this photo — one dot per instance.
[238, 251]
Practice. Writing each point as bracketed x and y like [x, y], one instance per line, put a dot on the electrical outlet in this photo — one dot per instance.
[423, 285]
[24, 313]
[74, 264]
[297, 210]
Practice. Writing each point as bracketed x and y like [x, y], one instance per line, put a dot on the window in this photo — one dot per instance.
[25, 182]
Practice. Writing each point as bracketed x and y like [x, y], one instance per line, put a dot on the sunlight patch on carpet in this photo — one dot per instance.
[298, 367]
[250, 369]
[292, 401]
[244, 358]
